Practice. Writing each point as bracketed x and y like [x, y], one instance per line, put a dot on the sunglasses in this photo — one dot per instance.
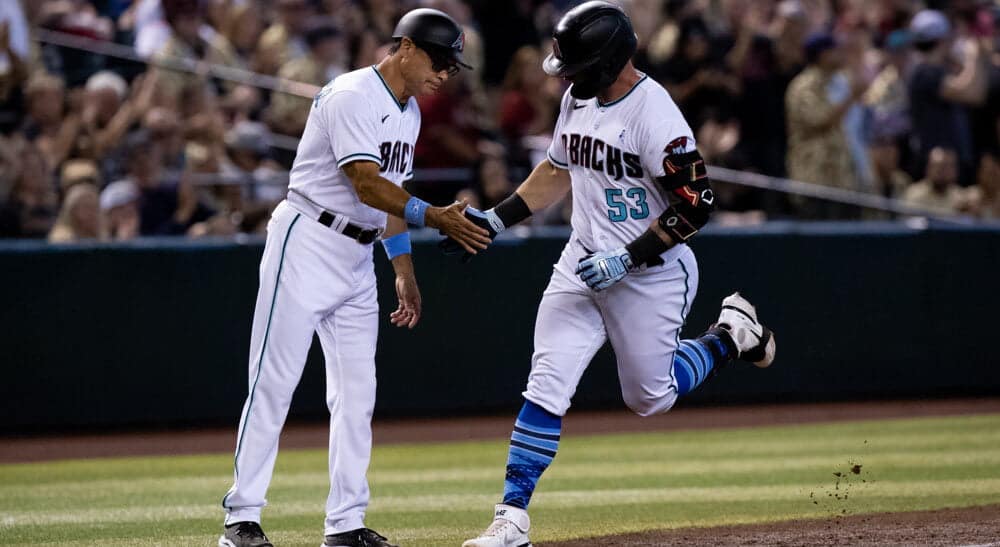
[440, 60]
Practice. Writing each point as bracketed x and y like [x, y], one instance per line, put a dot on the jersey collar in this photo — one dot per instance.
[622, 98]
[402, 106]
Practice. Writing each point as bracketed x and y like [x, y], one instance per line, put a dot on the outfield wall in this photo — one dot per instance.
[156, 332]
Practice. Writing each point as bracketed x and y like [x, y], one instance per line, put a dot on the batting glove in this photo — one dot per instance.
[487, 220]
[601, 270]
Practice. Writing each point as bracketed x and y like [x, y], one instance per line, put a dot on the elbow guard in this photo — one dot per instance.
[690, 194]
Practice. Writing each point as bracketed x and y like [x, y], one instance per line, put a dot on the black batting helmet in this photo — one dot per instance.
[435, 32]
[591, 45]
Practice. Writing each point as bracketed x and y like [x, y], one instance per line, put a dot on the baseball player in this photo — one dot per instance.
[317, 272]
[640, 191]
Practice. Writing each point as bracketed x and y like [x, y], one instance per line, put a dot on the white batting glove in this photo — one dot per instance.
[602, 270]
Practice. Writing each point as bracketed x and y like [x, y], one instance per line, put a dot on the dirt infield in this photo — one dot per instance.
[209, 440]
[973, 526]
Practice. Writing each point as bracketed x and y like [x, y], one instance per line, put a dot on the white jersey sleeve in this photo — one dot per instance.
[352, 127]
[557, 148]
[662, 140]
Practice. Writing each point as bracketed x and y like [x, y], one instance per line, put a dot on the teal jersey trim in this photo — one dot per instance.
[260, 362]
[686, 288]
[402, 106]
[348, 159]
[622, 98]
[556, 162]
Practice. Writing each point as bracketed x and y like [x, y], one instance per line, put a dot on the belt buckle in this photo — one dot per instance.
[368, 237]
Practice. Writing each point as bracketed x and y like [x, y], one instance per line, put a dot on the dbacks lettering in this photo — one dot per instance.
[395, 156]
[586, 151]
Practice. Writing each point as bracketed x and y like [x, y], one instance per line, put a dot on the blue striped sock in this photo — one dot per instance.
[694, 360]
[532, 446]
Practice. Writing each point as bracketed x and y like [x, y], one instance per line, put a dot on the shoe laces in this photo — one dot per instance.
[499, 528]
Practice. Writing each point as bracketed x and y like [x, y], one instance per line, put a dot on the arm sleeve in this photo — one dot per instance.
[557, 149]
[352, 128]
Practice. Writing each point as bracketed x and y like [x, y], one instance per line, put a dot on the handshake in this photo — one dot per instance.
[598, 270]
[487, 220]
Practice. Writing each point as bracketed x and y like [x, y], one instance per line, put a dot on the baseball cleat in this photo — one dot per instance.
[509, 529]
[362, 537]
[244, 534]
[754, 341]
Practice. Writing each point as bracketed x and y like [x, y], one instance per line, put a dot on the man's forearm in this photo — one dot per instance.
[544, 186]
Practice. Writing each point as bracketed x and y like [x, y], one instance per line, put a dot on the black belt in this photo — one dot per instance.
[352, 231]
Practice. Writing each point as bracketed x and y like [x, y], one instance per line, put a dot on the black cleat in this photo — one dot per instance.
[244, 534]
[362, 537]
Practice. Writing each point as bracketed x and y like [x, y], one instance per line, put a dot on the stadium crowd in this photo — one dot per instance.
[899, 98]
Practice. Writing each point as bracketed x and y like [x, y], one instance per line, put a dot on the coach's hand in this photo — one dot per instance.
[451, 247]
[408, 312]
[452, 222]
[601, 270]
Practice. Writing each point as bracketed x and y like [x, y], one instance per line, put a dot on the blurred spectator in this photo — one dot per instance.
[109, 110]
[248, 146]
[985, 195]
[529, 103]
[80, 216]
[887, 96]
[767, 54]
[165, 208]
[120, 207]
[14, 63]
[79, 171]
[889, 180]
[696, 78]
[186, 43]
[325, 61]
[937, 95]
[32, 204]
[164, 129]
[79, 18]
[939, 190]
[49, 124]
[235, 43]
[242, 103]
[450, 137]
[817, 148]
[284, 40]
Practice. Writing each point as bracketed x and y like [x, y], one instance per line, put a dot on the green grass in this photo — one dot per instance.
[438, 494]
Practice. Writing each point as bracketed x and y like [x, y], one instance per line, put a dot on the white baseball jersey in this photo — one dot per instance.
[355, 117]
[314, 279]
[614, 152]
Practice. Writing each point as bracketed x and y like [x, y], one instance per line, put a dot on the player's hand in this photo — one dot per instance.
[452, 222]
[451, 247]
[408, 312]
[601, 270]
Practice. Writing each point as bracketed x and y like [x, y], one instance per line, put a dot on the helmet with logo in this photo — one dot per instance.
[434, 32]
[591, 45]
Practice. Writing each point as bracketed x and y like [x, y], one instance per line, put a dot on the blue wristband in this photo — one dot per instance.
[415, 210]
[396, 245]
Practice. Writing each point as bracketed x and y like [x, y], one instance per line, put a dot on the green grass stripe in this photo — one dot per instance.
[547, 499]
[440, 494]
[171, 489]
